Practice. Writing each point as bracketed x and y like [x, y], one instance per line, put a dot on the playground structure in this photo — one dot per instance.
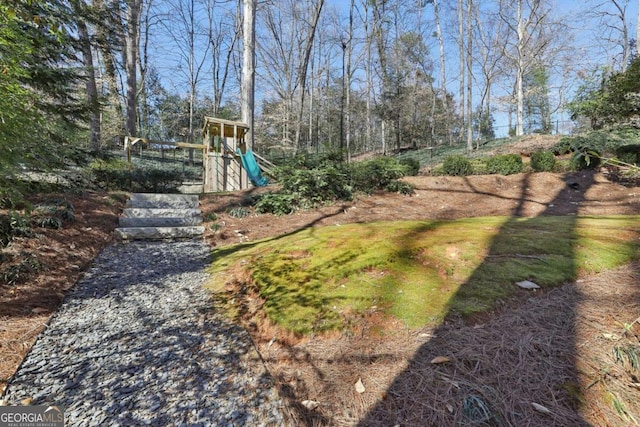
[223, 162]
[229, 164]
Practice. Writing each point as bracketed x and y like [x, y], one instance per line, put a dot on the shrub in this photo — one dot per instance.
[377, 174]
[543, 161]
[629, 154]
[276, 203]
[312, 187]
[20, 272]
[238, 212]
[116, 174]
[12, 225]
[457, 165]
[11, 197]
[412, 165]
[401, 187]
[587, 159]
[505, 164]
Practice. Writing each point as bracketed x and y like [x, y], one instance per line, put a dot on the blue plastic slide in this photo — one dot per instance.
[253, 170]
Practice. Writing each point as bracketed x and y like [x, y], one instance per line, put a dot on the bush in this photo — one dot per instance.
[412, 165]
[276, 203]
[116, 174]
[543, 161]
[238, 212]
[376, 174]
[312, 187]
[629, 154]
[587, 159]
[12, 225]
[505, 164]
[396, 186]
[457, 165]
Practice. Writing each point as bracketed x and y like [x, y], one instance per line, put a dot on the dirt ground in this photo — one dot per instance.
[554, 351]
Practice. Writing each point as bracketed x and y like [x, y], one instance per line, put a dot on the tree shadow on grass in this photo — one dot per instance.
[496, 367]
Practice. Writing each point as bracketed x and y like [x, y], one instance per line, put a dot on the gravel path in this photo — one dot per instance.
[136, 343]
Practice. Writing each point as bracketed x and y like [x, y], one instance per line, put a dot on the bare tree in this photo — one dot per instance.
[528, 23]
[191, 42]
[613, 19]
[489, 35]
[304, 66]
[284, 49]
[223, 38]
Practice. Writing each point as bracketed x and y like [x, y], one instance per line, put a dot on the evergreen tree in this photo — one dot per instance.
[37, 103]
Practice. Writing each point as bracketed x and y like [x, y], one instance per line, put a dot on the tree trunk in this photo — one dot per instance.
[91, 87]
[520, 72]
[134, 8]
[469, 61]
[248, 68]
[348, 82]
[109, 59]
[443, 72]
[461, 60]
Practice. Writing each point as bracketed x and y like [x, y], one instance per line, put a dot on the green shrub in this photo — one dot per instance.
[505, 164]
[12, 225]
[457, 165]
[312, 187]
[19, 273]
[210, 217]
[11, 197]
[277, 203]
[401, 187]
[238, 212]
[116, 174]
[629, 154]
[587, 159]
[376, 174]
[412, 165]
[543, 161]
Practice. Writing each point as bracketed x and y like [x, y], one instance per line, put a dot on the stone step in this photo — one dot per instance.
[158, 233]
[160, 216]
[159, 221]
[160, 213]
[171, 201]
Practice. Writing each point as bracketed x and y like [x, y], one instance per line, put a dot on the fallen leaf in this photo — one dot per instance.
[540, 408]
[610, 336]
[359, 386]
[450, 408]
[39, 310]
[440, 359]
[310, 404]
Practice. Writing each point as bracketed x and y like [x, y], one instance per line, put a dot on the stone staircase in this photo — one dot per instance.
[160, 216]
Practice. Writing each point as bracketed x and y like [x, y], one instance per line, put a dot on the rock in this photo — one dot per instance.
[527, 284]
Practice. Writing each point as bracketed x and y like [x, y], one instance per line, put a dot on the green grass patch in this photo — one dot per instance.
[320, 279]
